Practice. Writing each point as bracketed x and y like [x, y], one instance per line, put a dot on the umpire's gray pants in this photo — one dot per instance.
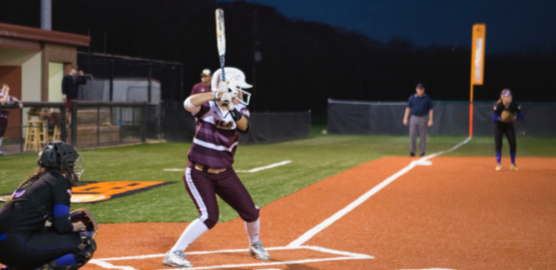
[418, 124]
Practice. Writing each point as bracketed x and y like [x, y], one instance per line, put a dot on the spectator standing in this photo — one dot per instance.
[4, 113]
[204, 85]
[420, 107]
[70, 86]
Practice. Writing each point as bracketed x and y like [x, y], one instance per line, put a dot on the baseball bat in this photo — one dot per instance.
[221, 41]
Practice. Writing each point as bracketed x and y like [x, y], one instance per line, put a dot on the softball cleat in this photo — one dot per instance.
[513, 167]
[177, 259]
[257, 250]
[498, 167]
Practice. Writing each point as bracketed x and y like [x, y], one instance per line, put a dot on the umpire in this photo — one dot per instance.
[420, 107]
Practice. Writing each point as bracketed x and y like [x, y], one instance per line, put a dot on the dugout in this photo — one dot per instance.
[33, 62]
[450, 118]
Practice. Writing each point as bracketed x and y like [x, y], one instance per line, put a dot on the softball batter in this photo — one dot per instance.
[209, 170]
[503, 117]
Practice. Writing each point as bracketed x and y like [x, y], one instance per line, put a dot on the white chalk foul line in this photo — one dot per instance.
[423, 161]
[243, 171]
[265, 167]
[346, 256]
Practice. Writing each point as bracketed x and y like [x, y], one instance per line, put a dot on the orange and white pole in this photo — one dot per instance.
[477, 65]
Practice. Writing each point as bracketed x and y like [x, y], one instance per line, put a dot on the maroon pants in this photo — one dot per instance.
[203, 188]
[3, 126]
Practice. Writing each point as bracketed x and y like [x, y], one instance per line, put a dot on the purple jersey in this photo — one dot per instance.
[4, 113]
[216, 136]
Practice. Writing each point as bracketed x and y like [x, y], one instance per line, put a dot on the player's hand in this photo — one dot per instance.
[81, 73]
[227, 100]
[430, 123]
[79, 226]
[405, 121]
[20, 105]
[64, 98]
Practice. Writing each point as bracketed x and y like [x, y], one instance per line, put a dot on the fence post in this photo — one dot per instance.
[111, 78]
[144, 124]
[98, 124]
[21, 142]
[182, 98]
[63, 127]
[149, 89]
[74, 123]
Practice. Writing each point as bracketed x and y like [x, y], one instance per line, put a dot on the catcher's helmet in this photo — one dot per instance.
[235, 78]
[62, 156]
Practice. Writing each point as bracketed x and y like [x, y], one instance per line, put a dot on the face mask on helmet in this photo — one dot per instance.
[64, 157]
[242, 96]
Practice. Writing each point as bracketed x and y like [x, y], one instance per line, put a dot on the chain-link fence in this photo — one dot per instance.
[450, 118]
[129, 79]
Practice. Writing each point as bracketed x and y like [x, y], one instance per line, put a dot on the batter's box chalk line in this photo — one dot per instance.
[107, 263]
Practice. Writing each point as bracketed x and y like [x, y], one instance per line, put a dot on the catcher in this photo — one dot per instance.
[36, 229]
[503, 117]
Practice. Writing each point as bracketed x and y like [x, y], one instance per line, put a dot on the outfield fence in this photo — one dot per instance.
[449, 118]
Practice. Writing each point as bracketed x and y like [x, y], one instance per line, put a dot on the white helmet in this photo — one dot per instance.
[235, 78]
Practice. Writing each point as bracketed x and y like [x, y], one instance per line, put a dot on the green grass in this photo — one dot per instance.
[313, 159]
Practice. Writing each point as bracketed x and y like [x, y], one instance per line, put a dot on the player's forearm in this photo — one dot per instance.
[406, 115]
[193, 103]
[242, 124]
[200, 99]
[431, 113]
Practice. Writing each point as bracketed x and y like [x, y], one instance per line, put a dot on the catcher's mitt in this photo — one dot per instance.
[507, 117]
[83, 215]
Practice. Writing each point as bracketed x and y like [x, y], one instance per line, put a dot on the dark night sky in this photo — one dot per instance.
[512, 25]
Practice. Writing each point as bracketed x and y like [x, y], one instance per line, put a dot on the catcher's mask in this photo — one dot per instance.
[235, 78]
[62, 156]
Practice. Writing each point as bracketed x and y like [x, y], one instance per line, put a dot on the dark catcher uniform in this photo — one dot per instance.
[501, 129]
[24, 241]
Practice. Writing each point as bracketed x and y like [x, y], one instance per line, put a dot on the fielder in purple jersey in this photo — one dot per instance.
[209, 170]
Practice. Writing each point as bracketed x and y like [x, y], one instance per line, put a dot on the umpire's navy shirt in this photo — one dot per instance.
[419, 105]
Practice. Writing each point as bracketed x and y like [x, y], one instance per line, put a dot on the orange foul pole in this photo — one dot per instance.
[477, 65]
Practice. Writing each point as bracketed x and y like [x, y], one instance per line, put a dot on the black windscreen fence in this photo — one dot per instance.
[178, 125]
[449, 118]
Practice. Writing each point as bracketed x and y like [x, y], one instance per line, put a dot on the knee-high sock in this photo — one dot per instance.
[66, 260]
[1, 139]
[498, 157]
[512, 156]
[191, 233]
[253, 230]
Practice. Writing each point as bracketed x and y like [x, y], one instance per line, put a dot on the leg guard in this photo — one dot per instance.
[86, 250]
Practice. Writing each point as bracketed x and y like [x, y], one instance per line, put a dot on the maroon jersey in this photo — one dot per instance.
[216, 136]
[200, 88]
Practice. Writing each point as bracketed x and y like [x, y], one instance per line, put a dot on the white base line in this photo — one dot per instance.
[243, 171]
[266, 167]
[346, 256]
[312, 232]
